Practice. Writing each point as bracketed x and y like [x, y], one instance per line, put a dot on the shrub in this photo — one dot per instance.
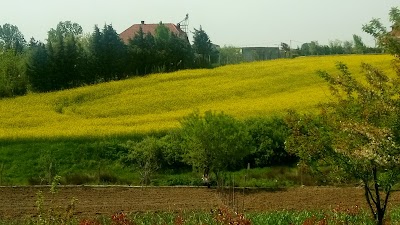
[268, 138]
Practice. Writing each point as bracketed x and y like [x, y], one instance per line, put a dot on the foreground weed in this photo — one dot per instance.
[225, 216]
[54, 215]
[121, 219]
[89, 222]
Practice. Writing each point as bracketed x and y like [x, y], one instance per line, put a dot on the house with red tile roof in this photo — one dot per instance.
[129, 33]
[396, 31]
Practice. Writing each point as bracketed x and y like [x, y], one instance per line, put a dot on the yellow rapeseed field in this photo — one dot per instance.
[157, 102]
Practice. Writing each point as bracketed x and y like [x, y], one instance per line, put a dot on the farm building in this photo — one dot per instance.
[260, 53]
[151, 28]
[396, 31]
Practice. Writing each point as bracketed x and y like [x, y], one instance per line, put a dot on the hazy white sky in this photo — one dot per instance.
[227, 22]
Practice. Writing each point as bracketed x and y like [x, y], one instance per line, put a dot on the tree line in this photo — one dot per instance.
[356, 46]
[69, 58]
[211, 143]
[233, 55]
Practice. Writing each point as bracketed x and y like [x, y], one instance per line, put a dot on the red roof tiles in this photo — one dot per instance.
[149, 28]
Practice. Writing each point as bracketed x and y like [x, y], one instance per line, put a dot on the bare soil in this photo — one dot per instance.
[19, 202]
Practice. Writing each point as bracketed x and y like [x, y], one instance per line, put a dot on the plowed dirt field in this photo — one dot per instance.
[92, 201]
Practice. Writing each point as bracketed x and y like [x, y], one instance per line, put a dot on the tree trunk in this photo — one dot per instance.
[380, 216]
[380, 210]
[374, 198]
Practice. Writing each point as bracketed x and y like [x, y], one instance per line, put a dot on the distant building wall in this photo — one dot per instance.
[396, 31]
[260, 53]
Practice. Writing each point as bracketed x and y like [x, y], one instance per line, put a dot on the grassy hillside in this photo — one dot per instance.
[157, 102]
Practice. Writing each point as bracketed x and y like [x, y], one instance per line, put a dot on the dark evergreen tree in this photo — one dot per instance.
[63, 56]
[162, 41]
[112, 54]
[203, 47]
[38, 67]
[180, 53]
[142, 53]
[95, 56]
[72, 59]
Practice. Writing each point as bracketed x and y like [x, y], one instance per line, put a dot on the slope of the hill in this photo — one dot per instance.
[159, 101]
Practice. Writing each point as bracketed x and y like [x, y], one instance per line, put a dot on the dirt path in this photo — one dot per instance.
[20, 201]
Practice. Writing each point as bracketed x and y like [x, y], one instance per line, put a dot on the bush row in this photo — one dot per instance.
[214, 142]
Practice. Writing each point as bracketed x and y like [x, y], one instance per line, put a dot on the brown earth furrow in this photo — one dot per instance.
[17, 202]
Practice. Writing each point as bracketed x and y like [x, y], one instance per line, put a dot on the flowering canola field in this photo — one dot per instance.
[158, 102]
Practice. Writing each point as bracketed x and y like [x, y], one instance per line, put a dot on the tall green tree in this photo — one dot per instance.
[181, 53]
[347, 47]
[163, 52]
[305, 49]
[146, 156]
[357, 136]
[203, 47]
[286, 49]
[65, 29]
[38, 67]
[162, 35]
[11, 38]
[141, 53]
[173, 52]
[336, 47]
[13, 81]
[96, 53]
[230, 55]
[73, 59]
[314, 48]
[359, 46]
[108, 53]
[64, 56]
[162, 40]
[214, 142]
[384, 38]
[268, 138]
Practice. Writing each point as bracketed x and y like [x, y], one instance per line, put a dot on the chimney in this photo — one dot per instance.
[142, 22]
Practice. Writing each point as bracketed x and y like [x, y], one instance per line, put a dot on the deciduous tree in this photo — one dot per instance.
[11, 38]
[384, 38]
[230, 55]
[13, 81]
[214, 142]
[359, 46]
[357, 135]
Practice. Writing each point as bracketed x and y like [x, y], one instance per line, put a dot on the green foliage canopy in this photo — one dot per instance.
[13, 80]
[11, 38]
[357, 135]
[386, 39]
[214, 142]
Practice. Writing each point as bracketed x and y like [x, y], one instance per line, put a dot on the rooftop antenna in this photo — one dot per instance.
[184, 24]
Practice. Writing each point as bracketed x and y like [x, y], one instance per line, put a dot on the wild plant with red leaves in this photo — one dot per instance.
[89, 222]
[314, 221]
[179, 220]
[226, 216]
[352, 211]
[121, 218]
